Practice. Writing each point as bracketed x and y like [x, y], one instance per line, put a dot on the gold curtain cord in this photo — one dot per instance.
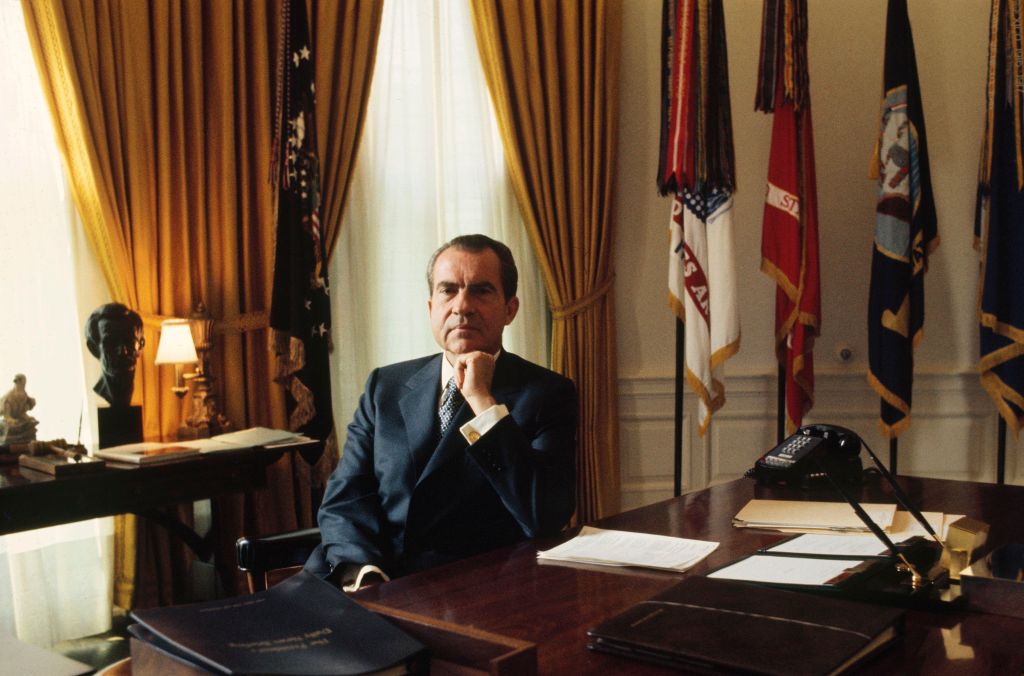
[243, 323]
[566, 311]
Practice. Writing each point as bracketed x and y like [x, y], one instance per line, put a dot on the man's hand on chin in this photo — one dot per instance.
[474, 373]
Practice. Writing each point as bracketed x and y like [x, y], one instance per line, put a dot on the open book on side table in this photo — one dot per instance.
[304, 625]
[707, 624]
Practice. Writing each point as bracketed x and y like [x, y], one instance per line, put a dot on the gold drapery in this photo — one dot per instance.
[552, 70]
[164, 115]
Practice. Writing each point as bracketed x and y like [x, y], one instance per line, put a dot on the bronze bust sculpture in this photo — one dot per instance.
[113, 334]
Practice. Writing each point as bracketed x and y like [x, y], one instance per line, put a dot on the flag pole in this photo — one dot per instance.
[780, 402]
[1001, 452]
[893, 450]
[678, 441]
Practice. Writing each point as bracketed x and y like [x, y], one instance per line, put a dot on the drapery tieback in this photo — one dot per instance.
[581, 304]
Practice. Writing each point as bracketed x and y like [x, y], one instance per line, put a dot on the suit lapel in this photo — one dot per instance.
[419, 411]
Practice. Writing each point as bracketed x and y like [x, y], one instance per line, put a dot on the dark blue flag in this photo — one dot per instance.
[300, 314]
[999, 228]
[905, 229]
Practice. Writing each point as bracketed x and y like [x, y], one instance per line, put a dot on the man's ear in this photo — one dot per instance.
[511, 308]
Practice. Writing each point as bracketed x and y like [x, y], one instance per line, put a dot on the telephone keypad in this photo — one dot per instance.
[790, 451]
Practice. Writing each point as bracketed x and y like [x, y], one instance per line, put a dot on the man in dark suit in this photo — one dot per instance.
[413, 490]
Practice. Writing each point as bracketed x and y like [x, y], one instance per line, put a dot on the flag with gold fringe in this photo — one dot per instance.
[905, 228]
[696, 167]
[300, 313]
[999, 235]
[789, 236]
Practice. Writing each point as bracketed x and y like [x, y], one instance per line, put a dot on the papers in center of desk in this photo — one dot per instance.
[624, 548]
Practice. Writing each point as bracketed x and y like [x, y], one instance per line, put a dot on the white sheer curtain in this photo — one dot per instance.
[55, 583]
[430, 167]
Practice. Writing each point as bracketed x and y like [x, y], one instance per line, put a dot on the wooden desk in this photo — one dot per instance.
[509, 593]
[31, 499]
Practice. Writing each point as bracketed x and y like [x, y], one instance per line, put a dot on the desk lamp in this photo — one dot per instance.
[176, 347]
[205, 420]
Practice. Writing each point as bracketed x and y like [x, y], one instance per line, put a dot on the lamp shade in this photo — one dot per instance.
[176, 345]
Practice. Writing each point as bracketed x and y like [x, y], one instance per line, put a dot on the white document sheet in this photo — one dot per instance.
[786, 569]
[833, 545]
[904, 526]
[624, 548]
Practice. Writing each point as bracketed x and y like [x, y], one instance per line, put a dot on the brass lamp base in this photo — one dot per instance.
[205, 421]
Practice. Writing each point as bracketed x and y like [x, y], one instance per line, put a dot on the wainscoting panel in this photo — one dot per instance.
[953, 434]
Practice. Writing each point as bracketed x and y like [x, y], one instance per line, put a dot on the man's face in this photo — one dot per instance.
[468, 308]
[120, 343]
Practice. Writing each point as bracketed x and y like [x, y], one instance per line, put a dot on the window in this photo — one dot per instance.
[41, 337]
[430, 167]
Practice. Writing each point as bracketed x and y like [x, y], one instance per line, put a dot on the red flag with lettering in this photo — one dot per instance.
[789, 237]
[789, 252]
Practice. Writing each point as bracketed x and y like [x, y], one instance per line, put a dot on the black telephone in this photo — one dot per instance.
[804, 458]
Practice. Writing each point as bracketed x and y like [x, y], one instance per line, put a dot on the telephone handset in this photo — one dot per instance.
[805, 457]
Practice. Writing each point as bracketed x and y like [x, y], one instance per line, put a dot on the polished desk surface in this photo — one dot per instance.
[509, 592]
[31, 499]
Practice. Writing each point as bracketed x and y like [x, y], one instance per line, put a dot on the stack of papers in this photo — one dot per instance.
[623, 548]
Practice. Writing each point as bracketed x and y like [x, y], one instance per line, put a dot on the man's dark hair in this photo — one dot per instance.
[108, 311]
[476, 244]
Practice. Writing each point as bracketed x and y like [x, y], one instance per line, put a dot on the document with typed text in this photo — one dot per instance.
[624, 548]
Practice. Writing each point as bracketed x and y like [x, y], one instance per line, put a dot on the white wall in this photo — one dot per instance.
[954, 430]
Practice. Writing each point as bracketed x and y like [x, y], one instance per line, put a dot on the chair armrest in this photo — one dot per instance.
[259, 555]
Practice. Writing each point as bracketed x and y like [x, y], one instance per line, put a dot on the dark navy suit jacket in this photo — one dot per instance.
[405, 499]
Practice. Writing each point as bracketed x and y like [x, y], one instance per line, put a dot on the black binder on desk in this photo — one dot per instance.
[302, 626]
[719, 625]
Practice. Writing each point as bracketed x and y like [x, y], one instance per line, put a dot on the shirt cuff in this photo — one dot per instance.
[354, 575]
[479, 426]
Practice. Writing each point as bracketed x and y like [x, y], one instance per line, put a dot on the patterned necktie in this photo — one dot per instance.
[450, 402]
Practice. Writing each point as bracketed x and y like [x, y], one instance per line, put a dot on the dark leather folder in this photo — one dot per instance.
[721, 625]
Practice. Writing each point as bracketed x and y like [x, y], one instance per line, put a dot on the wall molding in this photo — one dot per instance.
[953, 434]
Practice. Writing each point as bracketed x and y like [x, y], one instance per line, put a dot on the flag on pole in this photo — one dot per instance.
[701, 261]
[789, 236]
[905, 228]
[696, 167]
[999, 236]
[300, 314]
